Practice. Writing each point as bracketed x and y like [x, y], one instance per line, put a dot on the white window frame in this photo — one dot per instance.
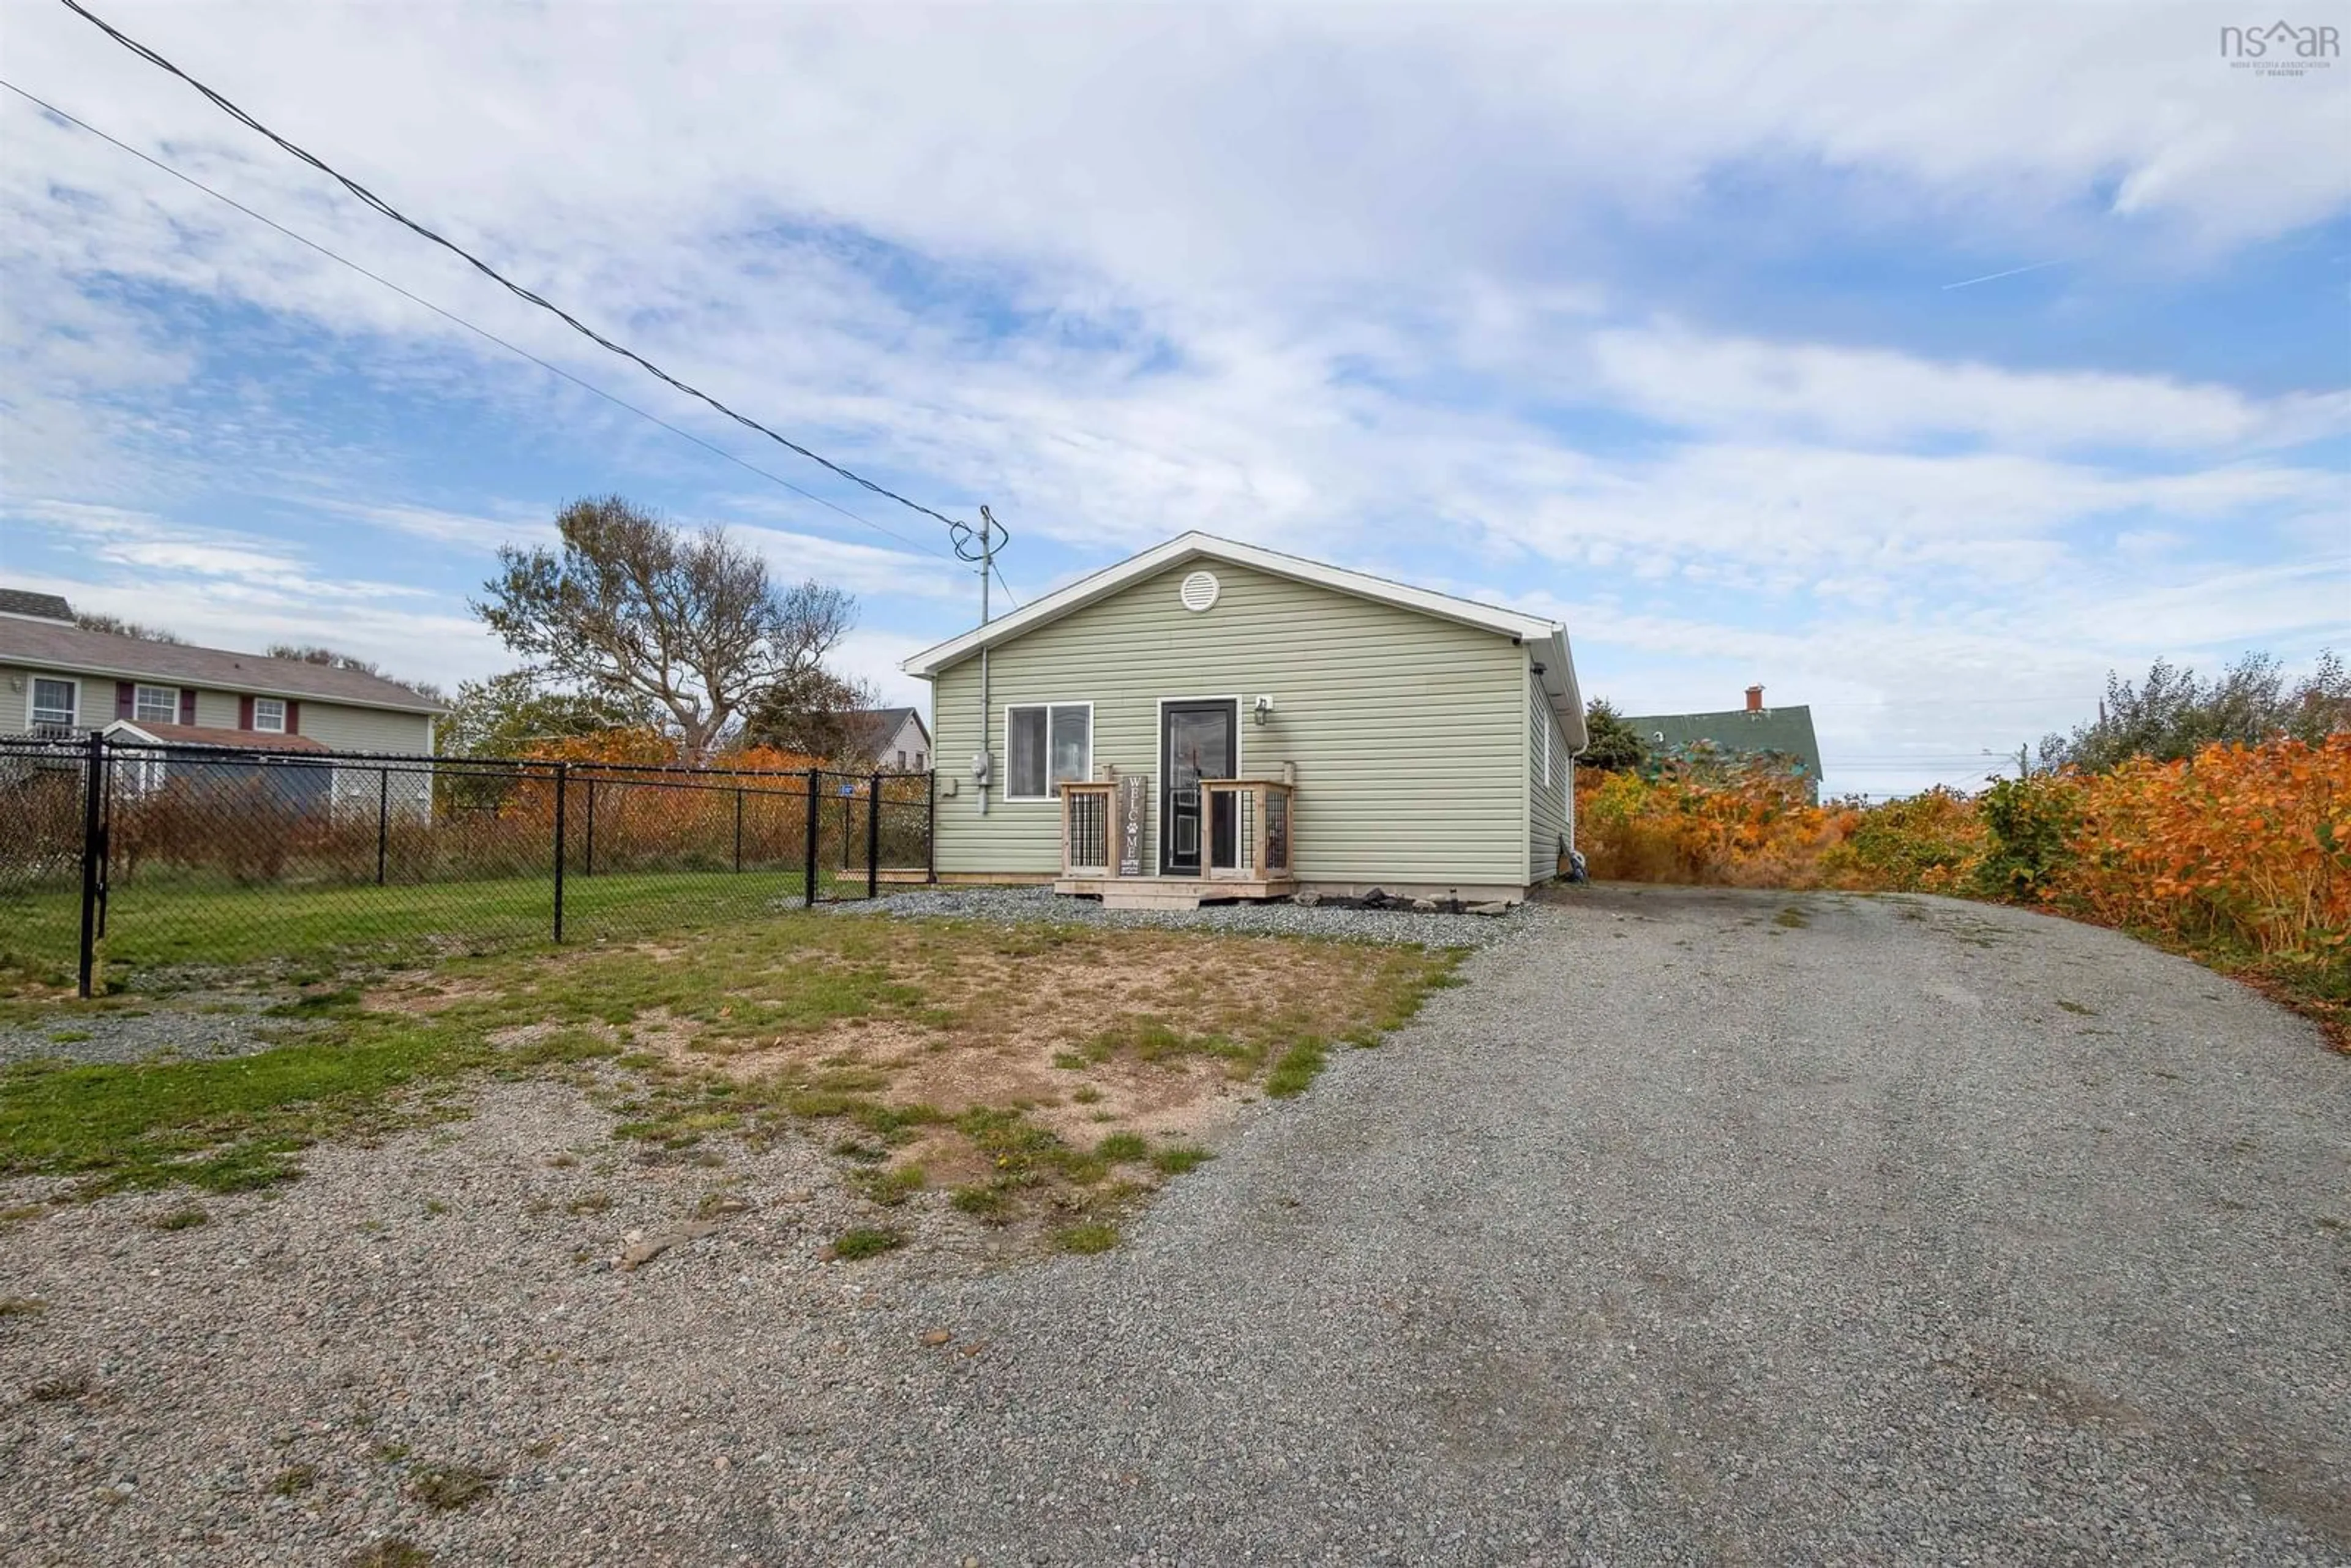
[139, 694]
[1051, 793]
[262, 727]
[33, 719]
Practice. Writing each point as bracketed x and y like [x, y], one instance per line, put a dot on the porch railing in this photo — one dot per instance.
[1260, 848]
[1085, 828]
[1261, 815]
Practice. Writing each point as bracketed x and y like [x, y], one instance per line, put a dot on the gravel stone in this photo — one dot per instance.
[1923, 1232]
[1400, 923]
[187, 1026]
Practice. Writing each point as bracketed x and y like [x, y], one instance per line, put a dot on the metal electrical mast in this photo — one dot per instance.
[980, 545]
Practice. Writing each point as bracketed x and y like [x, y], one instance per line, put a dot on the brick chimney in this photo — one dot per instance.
[1755, 699]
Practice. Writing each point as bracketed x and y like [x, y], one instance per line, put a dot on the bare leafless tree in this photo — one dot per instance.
[630, 606]
[93, 621]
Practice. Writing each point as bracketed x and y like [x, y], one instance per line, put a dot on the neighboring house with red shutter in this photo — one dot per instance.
[60, 679]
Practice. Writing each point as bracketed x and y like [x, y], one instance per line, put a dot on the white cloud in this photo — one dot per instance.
[1319, 278]
[1877, 397]
[468, 531]
[866, 570]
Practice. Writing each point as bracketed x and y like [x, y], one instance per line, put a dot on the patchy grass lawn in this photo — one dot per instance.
[1032, 1073]
[158, 925]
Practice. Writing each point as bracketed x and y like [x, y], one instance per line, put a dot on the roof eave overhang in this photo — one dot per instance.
[423, 707]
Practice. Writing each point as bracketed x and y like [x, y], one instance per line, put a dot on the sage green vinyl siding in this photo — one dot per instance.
[1409, 732]
[1551, 801]
[16, 698]
[338, 724]
[346, 728]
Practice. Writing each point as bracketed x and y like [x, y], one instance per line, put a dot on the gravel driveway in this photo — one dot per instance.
[1699, 1227]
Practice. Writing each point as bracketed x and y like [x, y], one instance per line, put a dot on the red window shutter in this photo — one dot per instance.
[245, 713]
[126, 696]
[187, 705]
[293, 716]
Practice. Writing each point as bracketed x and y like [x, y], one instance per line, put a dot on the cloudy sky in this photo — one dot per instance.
[1918, 362]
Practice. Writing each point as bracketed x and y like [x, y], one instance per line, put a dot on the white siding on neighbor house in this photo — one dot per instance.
[1551, 797]
[907, 744]
[1407, 731]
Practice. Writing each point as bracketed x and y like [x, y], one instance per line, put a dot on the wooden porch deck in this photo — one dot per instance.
[1244, 844]
[1171, 892]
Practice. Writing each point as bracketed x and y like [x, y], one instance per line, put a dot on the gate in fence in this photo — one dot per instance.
[199, 855]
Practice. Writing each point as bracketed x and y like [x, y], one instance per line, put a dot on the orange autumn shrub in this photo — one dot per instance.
[2243, 847]
[2242, 853]
[1723, 824]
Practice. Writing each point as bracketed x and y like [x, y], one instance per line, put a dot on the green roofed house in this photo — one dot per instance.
[1749, 731]
[1214, 720]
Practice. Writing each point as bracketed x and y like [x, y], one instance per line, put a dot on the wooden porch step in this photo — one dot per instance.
[1168, 892]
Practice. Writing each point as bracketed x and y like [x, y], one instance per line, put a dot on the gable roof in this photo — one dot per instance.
[878, 725]
[208, 735]
[47, 645]
[36, 606]
[1787, 730]
[1559, 671]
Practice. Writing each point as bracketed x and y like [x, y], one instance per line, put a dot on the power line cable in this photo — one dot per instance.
[482, 332]
[373, 200]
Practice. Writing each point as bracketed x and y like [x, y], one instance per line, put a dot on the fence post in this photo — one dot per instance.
[382, 819]
[931, 828]
[589, 867]
[815, 779]
[738, 829]
[874, 836]
[93, 851]
[562, 781]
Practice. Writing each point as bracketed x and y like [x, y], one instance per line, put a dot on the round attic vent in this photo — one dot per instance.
[1199, 591]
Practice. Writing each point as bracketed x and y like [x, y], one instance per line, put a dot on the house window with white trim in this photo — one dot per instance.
[156, 704]
[1045, 746]
[269, 714]
[53, 706]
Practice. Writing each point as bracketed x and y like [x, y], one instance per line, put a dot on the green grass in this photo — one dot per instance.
[224, 1125]
[343, 1069]
[293, 1480]
[1088, 1238]
[1178, 1158]
[1297, 1069]
[392, 1552]
[154, 925]
[867, 1242]
[891, 1187]
[186, 1219]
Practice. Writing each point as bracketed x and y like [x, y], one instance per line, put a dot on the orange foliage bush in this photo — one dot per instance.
[2248, 847]
[1729, 826]
[2238, 850]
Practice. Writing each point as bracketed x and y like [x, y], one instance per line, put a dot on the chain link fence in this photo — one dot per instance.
[161, 860]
